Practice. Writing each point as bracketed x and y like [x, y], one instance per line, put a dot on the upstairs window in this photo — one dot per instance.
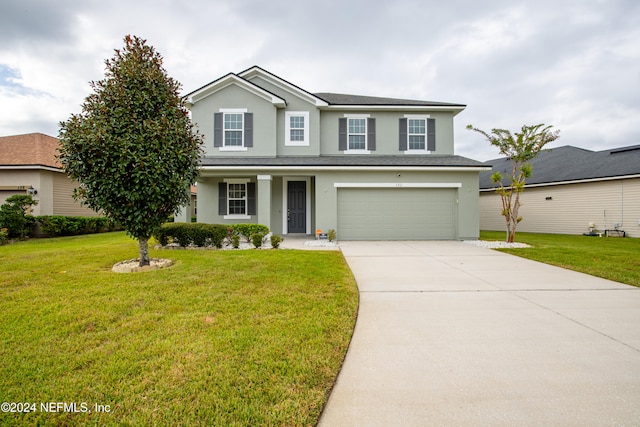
[356, 134]
[297, 128]
[233, 130]
[417, 134]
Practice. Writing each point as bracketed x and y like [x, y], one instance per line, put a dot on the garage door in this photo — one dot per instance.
[396, 213]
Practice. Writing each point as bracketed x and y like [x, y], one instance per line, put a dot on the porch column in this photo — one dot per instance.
[264, 200]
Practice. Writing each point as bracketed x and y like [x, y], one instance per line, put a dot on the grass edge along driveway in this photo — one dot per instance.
[234, 338]
[611, 258]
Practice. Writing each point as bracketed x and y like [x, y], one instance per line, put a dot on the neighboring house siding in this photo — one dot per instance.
[63, 202]
[571, 209]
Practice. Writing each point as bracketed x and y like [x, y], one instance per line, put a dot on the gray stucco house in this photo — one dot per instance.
[368, 167]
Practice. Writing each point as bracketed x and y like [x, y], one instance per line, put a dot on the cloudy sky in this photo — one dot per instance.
[574, 64]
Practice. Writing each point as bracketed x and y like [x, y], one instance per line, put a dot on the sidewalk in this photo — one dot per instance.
[452, 334]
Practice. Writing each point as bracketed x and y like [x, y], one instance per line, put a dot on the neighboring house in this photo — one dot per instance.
[571, 188]
[28, 165]
[368, 167]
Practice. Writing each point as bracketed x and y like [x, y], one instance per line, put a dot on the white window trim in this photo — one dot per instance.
[287, 129]
[366, 134]
[246, 206]
[426, 124]
[224, 140]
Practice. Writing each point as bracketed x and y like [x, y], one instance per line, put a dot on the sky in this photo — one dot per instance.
[572, 64]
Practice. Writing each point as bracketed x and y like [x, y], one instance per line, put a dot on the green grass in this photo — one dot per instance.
[223, 338]
[612, 258]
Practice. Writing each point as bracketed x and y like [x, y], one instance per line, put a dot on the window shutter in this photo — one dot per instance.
[222, 198]
[248, 129]
[402, 146]
[371, 134]
[431, 134]
[218, 133]
[251, 198]
[342, 134]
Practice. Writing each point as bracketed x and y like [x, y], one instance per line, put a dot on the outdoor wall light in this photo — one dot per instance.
[32, 191]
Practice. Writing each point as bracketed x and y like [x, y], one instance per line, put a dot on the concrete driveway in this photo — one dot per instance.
[453, 334]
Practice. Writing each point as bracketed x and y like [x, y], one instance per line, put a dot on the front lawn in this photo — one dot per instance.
[612, 258]
[225, 338]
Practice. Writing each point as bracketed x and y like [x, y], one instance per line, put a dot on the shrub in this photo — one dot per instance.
[3, 236]
[197, 234]
[256, 239]
[247, 230]
[58, 225]
[235, 241]
[331, 235]
[275, 241]
[14, 215]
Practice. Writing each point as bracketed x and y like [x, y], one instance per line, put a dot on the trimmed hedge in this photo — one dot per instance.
[199, 234]
[196, 234]
[58, 225]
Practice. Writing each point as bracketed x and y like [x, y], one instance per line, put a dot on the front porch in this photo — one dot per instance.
[285, 203]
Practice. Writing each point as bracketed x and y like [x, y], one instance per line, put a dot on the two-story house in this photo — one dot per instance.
[368, 167]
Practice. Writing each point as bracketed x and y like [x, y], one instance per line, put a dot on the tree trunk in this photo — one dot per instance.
[144, 252]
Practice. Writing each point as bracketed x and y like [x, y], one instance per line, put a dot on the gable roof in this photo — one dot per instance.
[568, 164]
[245, 79]
[257, 72]
[233, 79]
[33, 149]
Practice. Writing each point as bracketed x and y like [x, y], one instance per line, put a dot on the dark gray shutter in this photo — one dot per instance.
[431, 134]
[403, 135]
[218, 132]
[342, 134]
[222, 198]
[251, 198]
[248, 129]
[371, 134]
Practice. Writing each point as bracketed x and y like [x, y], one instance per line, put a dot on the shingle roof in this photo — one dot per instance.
[33, 149]
[345, 99]
[569, 163]
[346, 161]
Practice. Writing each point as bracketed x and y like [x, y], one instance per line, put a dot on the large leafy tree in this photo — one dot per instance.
[133, 149]
[519, 147]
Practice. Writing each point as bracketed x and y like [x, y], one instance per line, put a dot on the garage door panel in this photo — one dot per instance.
[396, 214]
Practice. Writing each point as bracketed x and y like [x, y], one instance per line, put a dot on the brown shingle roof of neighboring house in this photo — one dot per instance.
[32, 149]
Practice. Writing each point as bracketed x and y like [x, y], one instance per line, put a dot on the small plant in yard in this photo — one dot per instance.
[256, 239]
[15, 215]
[235, 241]
[3, 236]
[275, 241]
[331, 235]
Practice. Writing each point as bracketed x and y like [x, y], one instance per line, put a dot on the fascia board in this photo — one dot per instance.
[456, 110]
[30, 167]
[232, 79]
[219, 169]
[575, 181]
[283, 84]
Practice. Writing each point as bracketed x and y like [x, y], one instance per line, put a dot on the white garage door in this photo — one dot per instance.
[396, 213]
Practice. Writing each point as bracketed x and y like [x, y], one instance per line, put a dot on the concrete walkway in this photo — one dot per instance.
[450, 334]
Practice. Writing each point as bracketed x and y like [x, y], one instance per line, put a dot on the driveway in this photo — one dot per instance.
[452, 334]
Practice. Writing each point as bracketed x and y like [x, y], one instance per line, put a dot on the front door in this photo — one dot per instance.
[297, 207]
